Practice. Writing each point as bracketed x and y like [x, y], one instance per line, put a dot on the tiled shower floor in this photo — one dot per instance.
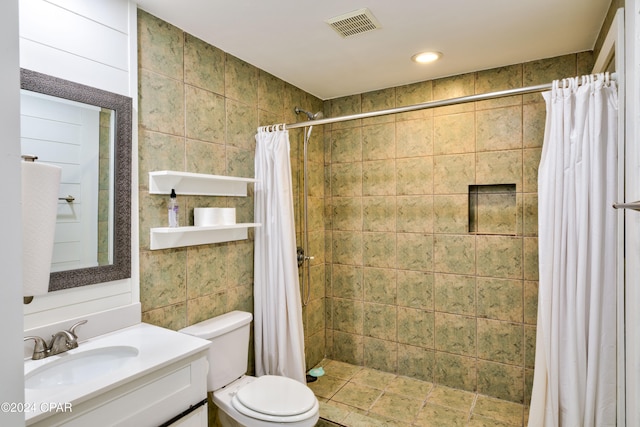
[354, 396]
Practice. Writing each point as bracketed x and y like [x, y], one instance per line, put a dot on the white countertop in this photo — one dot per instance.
[157, 347]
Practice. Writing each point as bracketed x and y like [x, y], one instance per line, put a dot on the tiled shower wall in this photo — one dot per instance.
[410, 289]
[199, 108]
[312, 291]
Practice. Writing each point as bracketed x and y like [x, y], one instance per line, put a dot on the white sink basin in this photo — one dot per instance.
[79, 367]
[99, 365]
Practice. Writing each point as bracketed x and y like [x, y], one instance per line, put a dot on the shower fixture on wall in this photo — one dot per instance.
[315, 116]
[304, 259]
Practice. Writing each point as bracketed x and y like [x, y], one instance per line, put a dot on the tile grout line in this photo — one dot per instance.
[473, 406]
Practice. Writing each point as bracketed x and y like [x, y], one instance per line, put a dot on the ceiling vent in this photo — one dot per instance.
[356, 22]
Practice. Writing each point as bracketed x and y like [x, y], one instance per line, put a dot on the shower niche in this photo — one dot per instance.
[196, 184]
[493, 209]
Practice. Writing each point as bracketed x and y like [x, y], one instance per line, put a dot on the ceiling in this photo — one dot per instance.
[291, 40]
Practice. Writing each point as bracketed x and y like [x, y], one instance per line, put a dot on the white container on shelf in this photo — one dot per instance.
[206, 217]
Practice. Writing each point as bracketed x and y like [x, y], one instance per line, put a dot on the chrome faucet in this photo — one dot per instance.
[60, 342]
[40, 349]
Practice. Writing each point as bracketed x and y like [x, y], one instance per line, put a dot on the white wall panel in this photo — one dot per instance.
[62, 133]
[38, 57]
[86, 42]
[64, 252]
[37, 105]
[111, 13]
[61, 306]
[58, 28]
[66, 232]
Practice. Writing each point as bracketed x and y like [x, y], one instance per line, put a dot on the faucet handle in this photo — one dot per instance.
[40, 348]
[72, 341]
[72, 329]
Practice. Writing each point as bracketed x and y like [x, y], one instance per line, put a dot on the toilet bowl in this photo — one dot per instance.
[244, 400]
[251, 402]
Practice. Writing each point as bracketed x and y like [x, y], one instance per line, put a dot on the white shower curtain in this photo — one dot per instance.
[575, 366]
[279, 337]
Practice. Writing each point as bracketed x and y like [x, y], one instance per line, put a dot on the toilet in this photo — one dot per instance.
[244, 400]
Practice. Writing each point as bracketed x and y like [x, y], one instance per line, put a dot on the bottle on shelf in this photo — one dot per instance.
[173, 210]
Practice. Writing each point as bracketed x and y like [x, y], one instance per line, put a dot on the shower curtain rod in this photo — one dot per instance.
[431, 104]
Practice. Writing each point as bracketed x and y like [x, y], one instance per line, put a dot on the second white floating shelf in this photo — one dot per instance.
[188, 183]
[176, 237]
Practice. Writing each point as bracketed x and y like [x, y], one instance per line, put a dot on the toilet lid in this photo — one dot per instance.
[276, 396]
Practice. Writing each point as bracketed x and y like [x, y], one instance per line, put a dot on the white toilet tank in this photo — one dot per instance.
[229, 349]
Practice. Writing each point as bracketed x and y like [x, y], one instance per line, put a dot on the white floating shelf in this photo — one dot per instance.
[176, 237]
[191, 184]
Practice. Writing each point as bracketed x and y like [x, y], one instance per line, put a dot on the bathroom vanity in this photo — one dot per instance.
[142, 375]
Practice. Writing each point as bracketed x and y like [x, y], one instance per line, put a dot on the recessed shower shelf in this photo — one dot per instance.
[177, 237]
[191, 184]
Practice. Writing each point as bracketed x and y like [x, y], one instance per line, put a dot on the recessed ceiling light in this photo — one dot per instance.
[426, 57]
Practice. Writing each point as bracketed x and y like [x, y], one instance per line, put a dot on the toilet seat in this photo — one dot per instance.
[276, 399]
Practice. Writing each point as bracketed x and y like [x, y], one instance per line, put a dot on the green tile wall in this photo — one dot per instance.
[105, 136]
[199, 108]
[409, 289]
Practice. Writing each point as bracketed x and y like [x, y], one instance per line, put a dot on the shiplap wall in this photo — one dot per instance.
[93, 43]
[83, 41]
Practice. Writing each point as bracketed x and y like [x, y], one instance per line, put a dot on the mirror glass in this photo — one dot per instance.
[78, 138]
[86, 132]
